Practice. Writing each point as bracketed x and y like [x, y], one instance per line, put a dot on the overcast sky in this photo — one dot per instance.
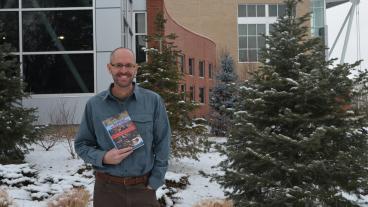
[334, 18]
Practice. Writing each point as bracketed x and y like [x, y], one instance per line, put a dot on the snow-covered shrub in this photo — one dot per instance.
[49, 186]
[86, 171]
[165, 196]
[76, 197]
[175, 180]
[5, 200]
[214, 203]
[17, 175]
[166, 193]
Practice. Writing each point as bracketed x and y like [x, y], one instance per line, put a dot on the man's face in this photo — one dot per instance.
[122, 68]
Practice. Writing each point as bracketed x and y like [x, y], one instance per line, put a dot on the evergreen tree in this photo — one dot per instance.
[297, 140]
[161, 74]
[16, 129]
[223, 96]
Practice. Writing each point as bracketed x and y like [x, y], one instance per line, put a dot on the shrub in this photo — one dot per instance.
[5, 200]
[76, 197]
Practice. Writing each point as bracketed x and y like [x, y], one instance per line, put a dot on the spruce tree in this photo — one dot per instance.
[161, 74]
[16, 129]
[223, 96]
[297, 140]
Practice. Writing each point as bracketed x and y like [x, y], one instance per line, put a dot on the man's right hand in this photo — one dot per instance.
[115, 156]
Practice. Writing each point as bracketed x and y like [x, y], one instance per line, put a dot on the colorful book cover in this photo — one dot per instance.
[123, 132]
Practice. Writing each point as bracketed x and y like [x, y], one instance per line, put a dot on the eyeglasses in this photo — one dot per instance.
[128, 66]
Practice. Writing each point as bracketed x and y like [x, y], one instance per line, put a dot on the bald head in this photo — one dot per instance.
[120, 50]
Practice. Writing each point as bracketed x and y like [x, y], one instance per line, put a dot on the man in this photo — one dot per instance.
[125, 177]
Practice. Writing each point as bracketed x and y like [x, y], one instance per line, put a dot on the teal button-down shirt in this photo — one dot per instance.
[148, 112]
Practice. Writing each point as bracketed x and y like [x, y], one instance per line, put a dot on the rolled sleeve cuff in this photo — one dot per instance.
[99, 158]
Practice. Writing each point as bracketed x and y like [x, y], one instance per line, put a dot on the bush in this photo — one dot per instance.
[214, 203]
[5, 200]
[77, 197]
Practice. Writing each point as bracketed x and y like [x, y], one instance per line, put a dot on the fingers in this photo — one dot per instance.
[124, 150]
[115, 156]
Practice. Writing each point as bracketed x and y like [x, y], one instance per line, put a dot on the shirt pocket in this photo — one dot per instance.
[144, 123]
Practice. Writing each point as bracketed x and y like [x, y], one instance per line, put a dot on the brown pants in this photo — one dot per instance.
[109, 194]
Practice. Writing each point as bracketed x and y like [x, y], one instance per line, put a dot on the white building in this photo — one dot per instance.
[64, 46]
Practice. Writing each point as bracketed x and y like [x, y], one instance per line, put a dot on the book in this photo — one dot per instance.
[123, 131]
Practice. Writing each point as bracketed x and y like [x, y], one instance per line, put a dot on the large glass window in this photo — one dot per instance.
[57, 30]
[253, 21]
[64, 73]
[57, 53]
[9, 4]
[250, 41]
[55, 3]
[9, 30]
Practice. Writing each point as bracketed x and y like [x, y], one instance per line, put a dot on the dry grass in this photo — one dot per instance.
[5, 200]
[214, 203]
[77, 197]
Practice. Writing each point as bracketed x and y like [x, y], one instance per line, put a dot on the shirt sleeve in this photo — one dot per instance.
[161, 146]
[85, 143]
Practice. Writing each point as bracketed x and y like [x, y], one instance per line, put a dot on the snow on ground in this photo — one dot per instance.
[57, 172]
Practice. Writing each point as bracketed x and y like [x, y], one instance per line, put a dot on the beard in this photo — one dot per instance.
[123, 80]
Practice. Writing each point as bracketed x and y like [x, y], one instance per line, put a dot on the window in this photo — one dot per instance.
[9, 4]
[252, 10]
[261, 10]
[64, 73]
[182, 91]
[210, 70]
[201, 95]
[201, 69]
[317, 18]
[191, 66]
[55, 3]
[10, 29]
[57, 50]
[181, 63]
[272, 10]
[242, 10]
[250, 41]
[192, 93]
[57, 30]
[275, 10]
[140, 36]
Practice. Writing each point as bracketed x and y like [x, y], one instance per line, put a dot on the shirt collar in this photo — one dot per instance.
[136, 93]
